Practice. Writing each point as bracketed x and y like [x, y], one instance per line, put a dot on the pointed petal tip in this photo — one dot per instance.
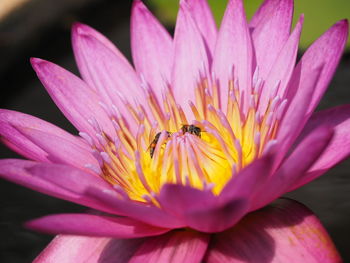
[36, 61]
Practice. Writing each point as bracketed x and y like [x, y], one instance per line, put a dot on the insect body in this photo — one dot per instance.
[153, 144]
[191, 129]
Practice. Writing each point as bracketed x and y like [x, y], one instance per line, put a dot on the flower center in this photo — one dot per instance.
[203, 150]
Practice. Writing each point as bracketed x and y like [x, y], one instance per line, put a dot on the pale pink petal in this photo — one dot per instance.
[59, 150]
[339, 147]
[295, 117]
[78, 52]
[203, 16]
[72, 249]
[151, 46]
[148, 214]
[93, 225]
[15, 140]
[282, 68]
[108, 72]
[294, 167]
[190, 57]
[325, 51]
[177, 246]
[233, 52]
[285, 231]
[271, 28]
[68, 92]
[27, 173]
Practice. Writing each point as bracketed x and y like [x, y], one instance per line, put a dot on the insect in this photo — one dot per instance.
[153, 144]
[191, 129]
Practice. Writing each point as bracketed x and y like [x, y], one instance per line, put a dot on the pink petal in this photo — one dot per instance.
[15, 140]
[176, 246]
[271, 27]
[93, 225]
[77, 102]
[326, 51]
[78, 51]
[190, 57]
[295, 117]
[233, 51]
[285, 231]
[152, 47]
[294, 167]
[72, 249]
[282, 68]
[108, 72]
[339, 147]
[148, 214]
[34, 176]
[59, 150]
[204, 19]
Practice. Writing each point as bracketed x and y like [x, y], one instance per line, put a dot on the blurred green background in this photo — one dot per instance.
[319, 14]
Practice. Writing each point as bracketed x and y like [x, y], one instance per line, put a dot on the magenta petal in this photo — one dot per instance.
[282, 68]
[249, 181]
[285, 231]
[294, 167]
[68, 92]
[339, 147]
[151, 46]
[179, 199]
[58, 148]
[271, 27]
[325, 51]
[176, 246]
[72, 249]
[93, 225]
[148, 214]
[190, 57]
[233, 51]
[204, 19]
[34, 176]
[9, 120]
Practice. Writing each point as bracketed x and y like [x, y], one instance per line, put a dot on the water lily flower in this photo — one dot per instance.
[179, 157]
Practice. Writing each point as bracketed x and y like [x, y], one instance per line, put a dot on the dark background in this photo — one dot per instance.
[42, 29]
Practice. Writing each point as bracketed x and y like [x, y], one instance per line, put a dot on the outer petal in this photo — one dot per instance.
[78, 51]
[271, 27]
[339, 147]
[108, 72]
[190, 57]
[60, 150]
[78, 103]
[326, 51]
[282, 68]
[9, 120]
[294, 167]
[295, 117]
[151, 46]
[203, 16]
[32, 175]
[233, 51]
[72, 249]
[93, 225]
[177, 246]
[286, 231]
